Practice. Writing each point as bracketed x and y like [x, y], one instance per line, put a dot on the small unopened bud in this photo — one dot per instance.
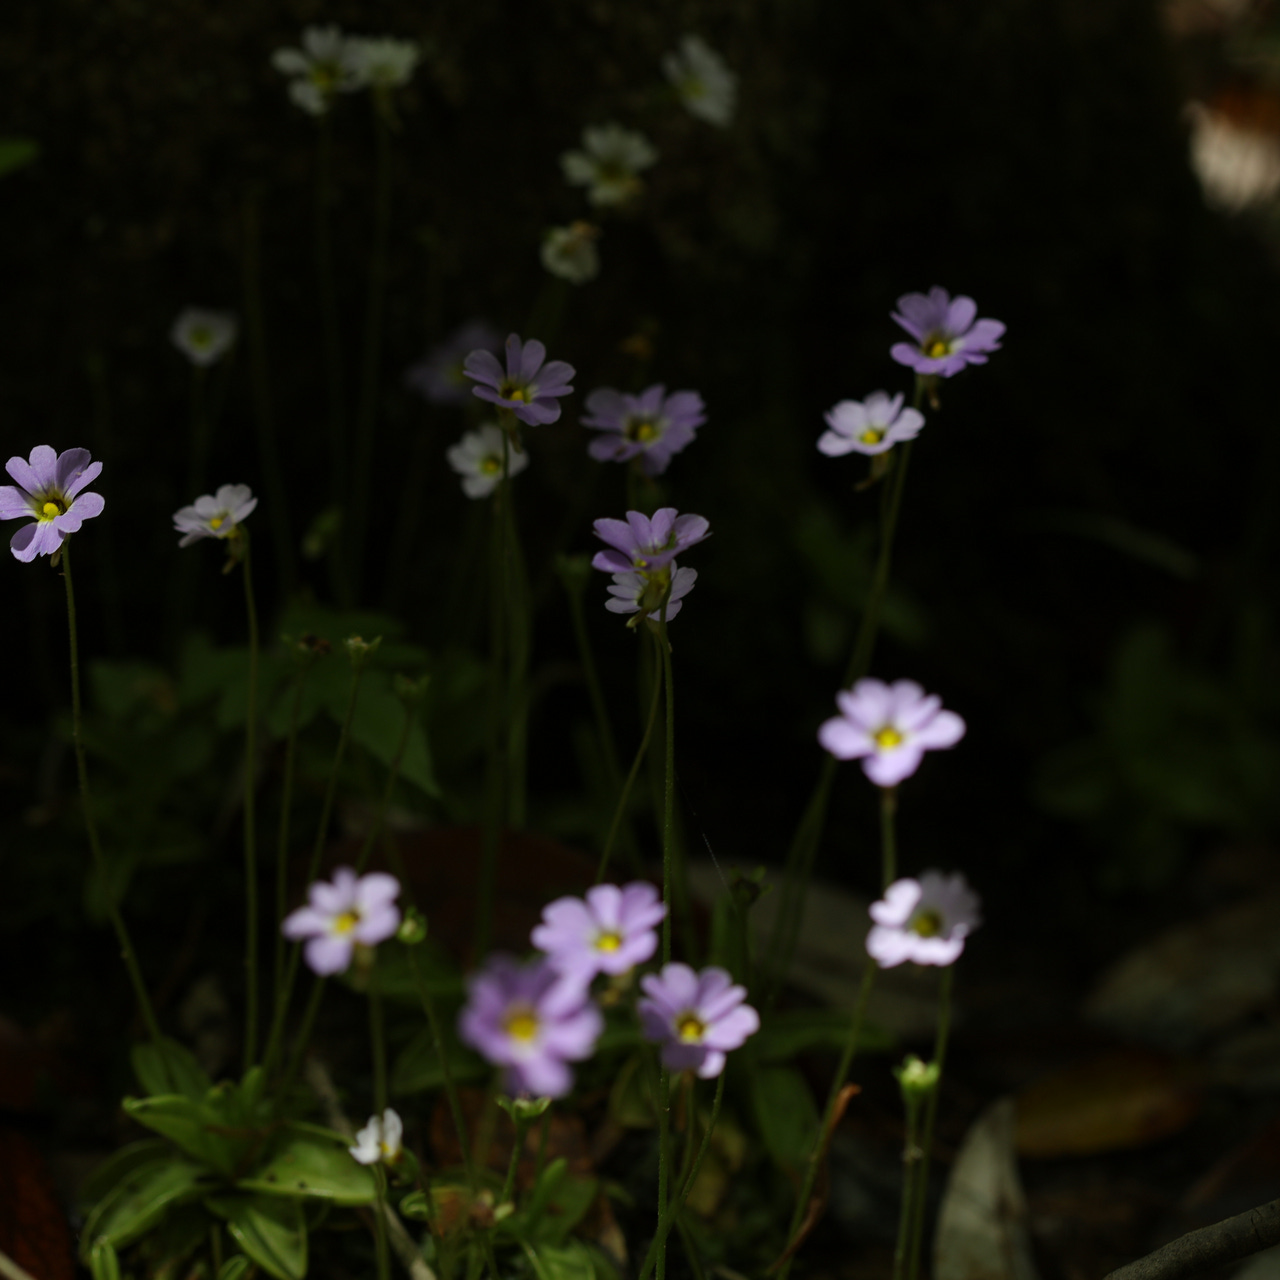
[916, 1079]
[413, 928]
[524, 1110]
[359, 649]
[410, 692]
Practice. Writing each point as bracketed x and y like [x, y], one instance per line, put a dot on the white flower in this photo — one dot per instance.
[383, 62]
[706, 86]
[1237, 166]
[609, 163]
[322, 68]
[214, 515]
[204, 337]
[570, 252]
[477, 458]
[925, 920]
[379, 1139]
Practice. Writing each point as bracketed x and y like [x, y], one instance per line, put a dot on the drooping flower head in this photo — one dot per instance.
[532, 1020]
[529, 387]
[610, 931]
[609, 163]
[380, 1139]
[214, 515]
[643, 594]
[652, 426]
[869, 426]
[439, 376]
[204, 337]
[570, 252]
[324, 67]
[477, 458]
[50, 490]
[696, 1017]
[889, 727]
[705, 84]
[642, 543]
[349, 910]
[925, 920]
[383, 62]
[947, 334]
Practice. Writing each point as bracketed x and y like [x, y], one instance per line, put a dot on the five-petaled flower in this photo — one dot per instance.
[439, 377]
[570, 252]
[324, 67]
[705, 84]
[529, 387]
[204, 337]
[611, 931]
[651, 426]
[609, 163]
[214, 515]
[477, 458]
[339, 915]
[947, 333]
[380, 1139]
[642, 543]
[50, 490]
[869, 426]
[532, 1020]
[889, 727]
[696, 1017]
[925, 920]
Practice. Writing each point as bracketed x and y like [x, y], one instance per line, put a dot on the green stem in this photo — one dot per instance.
[518, 693]
[250, 824]
[888, 836]
[304, 1035]
[90, 822]
[282, 838]
[664, 1151]
[509, 1185]
[380, 1224]
[599, 708]
[911, 1159]
[378, 1041]
[393, 776]
[669, 795]
[931, 1115]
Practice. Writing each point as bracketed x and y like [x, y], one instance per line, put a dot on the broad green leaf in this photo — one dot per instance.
[16, 152]
[378, 724]
[301, 1163]
[417, 1066]
[783, 1035]
[557, 1204]
[571, 1261]
[192, 1125]
[785, 1113]
[103, 1261]
[235, 1268]
[118, 1164]
[270, 1229]
[169, 1068]
[141, 1200]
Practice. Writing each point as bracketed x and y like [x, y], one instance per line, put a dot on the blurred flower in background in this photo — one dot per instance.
[708, 89]
[651, 426]
[477, 458]
[383, 62]
[325, 66]
[439, 377]
[570, 252]
[609, 163]
[204, 337]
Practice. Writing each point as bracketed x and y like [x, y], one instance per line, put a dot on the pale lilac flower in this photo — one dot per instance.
[642, 594]
[50, 491]
[324, 67]
[352, 909]
[570, 252]
[947, 334]
[214, 515]
[645, 543]
[529, 388]
[383, 62]
[532, 1020]
[439, 376]
[889, 727]
[925, 920]
[870, 426]
[204, 337]
[609, 163]
[651, 426]
[705, 84]
[611, 931]
[477, 458]
[380, 1139]
[696, 1017]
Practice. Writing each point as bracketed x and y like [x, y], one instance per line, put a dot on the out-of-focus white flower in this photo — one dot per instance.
[570, 252]
[609, 163]
[324, 67]
[384, 62]
[1238, 166]
[477, 458]
[708, 89]
[380, 1139]
[204, 337]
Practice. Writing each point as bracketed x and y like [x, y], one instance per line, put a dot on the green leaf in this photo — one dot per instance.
[377, 725]
[783, 1035]
[270, 1229]
[235, 1268]
[307, 1162]
[103, 1261]
[417, 1066]
[140, 1201]
[785, 1113]
[118, 1165]
[415, 1205]
[169, 1068]
[16, 152]
[571, 1261]
[190, 1124]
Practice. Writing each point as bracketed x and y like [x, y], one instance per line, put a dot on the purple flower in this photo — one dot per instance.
[49, 491]
[870, 426]
[696, 1017]
[532, 1020]
[351, 910]
[216, 515]
[889, 727]
[947, 337]
[643, 593]
[651, 426]
[529, 388]
[641, 543]
[611, 931]
[439, 376]
[925, 920]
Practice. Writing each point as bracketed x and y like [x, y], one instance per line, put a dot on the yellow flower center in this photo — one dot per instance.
[346, 922]
[642, 431]
[608, 942]
[522, 1024]
[872, 435]
[50, 510]
[201, 337]
[217, 522]
[516, 393]
[887, 738]
[936, 349]
[928, 923]
[490, 466]
[689, 1027]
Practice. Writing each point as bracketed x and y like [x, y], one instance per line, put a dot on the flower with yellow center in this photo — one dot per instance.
[349, 912]
[925, 921]
[216, 515]
[49, 491]
[871, 426]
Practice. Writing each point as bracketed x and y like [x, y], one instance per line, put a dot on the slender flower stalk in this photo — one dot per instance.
[378, 1042]
[250, 823]
[911, 1161]
[930, 1119]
